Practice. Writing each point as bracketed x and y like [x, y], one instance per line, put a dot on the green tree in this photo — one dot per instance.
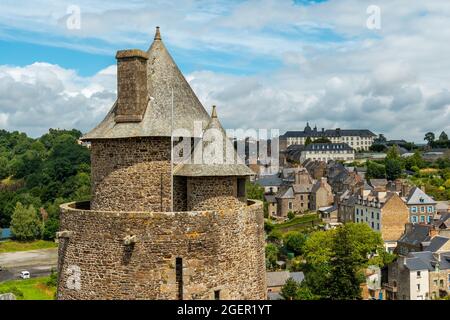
[25, 224]
[393, 169]
[305, 293]
[50, 229]
[375, 170]
[268, 226]
[291, 215]
[308, 141]
[380, 139]
[377, 147]
[344, 283]
[290, 289]
[275, 236]
[323, 249]
[393, 153]
[414, 161]
[429, 137]
[4, 168]
[271, 255]
[254, 191]
[294, 241]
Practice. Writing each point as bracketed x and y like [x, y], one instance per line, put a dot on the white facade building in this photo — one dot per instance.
[357, 139]
[327, 151]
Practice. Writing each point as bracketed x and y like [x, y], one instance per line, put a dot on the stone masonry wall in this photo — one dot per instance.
[179, 193]
[221, 250]
[131, 174]
[394, 216]
[206, 193]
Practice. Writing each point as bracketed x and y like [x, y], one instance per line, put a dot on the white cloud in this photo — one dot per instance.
[334, 71]
[40, 96]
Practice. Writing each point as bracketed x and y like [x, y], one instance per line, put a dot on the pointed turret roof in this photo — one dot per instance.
[219, 156]
[164, 77]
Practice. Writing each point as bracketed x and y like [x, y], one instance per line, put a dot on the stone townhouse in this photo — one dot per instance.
[156, 229]
[293, 197]
[357, 139]
[439, 277]
[347, 200]
[419, 276]
[271, 204]
[317, 169]
[285, 202]
[321, 195]
[384, 212]
[422, 207]
[346, 206]
[379, 184]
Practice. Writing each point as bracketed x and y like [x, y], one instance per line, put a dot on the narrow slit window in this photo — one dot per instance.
[179, 277]
[216, 294]
[241, 187]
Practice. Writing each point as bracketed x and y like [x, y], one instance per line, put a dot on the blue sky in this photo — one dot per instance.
[265, 63]
[88, 55]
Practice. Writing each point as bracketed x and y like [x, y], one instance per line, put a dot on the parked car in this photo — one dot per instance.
[25, 275]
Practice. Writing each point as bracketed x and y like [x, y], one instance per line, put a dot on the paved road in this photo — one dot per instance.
[35, 271]
[38, 262]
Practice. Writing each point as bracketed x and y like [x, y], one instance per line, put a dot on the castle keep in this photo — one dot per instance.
[155, 229]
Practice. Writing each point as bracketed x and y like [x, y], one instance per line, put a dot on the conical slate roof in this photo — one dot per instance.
[219, 156]
[163, 77]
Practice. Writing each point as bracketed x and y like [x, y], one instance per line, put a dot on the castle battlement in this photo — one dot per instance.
[211, 245]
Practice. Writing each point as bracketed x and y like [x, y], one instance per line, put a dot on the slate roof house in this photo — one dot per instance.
[384, 212]
[415, 239]
[419, 276]
[277, 279]
[421, 206]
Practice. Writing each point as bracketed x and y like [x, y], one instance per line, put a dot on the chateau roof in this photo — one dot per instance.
[330, 133]
[163, 75]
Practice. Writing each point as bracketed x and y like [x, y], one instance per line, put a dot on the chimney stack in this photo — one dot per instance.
[132, 93]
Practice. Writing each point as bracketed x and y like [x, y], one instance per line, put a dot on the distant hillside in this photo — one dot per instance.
[43, 172]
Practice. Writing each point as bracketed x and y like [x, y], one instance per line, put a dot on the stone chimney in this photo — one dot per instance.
[408, 227]
[433, 232]
[132, 93]
[423, 189]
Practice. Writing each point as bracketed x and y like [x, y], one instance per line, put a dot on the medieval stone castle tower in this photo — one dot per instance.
[155, 230]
